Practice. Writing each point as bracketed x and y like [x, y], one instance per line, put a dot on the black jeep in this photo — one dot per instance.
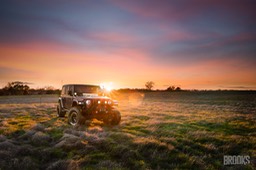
[85, 102]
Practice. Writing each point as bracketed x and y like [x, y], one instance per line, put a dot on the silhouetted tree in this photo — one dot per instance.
[16, 88]
[178, 89]
[149, 85]
[173, 88]
[170, 88]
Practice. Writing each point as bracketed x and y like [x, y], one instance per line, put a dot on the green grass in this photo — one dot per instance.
[154, 134]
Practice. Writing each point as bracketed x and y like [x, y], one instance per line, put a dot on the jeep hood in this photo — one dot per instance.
[91, 96]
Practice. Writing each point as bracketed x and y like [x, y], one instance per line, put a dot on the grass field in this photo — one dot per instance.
[178, 130]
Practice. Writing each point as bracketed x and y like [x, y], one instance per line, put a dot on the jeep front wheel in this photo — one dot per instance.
[75, 117]
[116, 117]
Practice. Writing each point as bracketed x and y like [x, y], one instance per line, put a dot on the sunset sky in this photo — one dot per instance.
[194, 44]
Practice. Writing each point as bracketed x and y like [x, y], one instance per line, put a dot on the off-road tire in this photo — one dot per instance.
[75, 117]
[116, 117]
[60, 112]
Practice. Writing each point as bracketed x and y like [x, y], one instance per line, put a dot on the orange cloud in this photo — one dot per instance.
[50, 64]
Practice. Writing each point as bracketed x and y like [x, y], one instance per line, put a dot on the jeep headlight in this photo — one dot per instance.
[80, 103]
[88, 102]
[109, 102]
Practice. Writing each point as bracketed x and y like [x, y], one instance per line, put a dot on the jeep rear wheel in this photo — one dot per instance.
[60, 112]
[75, 117]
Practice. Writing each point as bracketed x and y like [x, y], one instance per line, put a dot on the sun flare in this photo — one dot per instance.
[107, 86]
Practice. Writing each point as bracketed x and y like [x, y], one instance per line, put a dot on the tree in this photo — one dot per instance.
[170, 88]
[178, 89]
[16, 88]
[149, 85]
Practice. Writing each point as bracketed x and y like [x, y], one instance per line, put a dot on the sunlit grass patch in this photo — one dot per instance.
[155, 133]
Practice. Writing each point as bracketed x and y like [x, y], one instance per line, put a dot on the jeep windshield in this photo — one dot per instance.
[82, 90]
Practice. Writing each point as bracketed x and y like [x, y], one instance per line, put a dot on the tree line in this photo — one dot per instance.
[150, 84]
[22, 88]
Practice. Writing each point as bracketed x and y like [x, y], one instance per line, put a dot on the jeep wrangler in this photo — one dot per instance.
[86, 102]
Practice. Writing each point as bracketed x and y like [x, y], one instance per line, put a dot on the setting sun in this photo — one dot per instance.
[107, 86]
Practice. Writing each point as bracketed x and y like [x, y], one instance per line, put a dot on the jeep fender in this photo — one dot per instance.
[61, 103]
[74, 103]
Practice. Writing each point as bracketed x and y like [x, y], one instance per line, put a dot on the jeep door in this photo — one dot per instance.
[62, 96]
[69, 97]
